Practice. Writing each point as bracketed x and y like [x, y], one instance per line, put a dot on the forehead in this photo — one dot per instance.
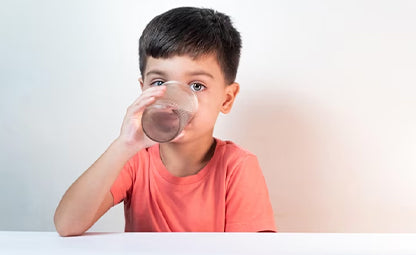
[183, 65]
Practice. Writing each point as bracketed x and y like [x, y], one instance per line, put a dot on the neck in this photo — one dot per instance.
[184, 159]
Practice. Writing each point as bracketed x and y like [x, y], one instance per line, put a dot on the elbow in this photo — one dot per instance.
[66, 228]
[66, 232]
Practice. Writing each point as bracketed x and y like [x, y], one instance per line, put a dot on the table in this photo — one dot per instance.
[206, 243]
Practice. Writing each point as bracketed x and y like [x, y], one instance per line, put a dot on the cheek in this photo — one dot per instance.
[211, 102]
[207, 113]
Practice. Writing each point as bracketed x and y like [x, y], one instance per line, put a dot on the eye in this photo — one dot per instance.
[157, 83]
[197, 87]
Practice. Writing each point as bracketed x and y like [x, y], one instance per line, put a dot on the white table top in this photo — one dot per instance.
[206, 243]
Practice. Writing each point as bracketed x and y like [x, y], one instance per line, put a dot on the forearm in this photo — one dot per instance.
[89, 196]
[78, 207]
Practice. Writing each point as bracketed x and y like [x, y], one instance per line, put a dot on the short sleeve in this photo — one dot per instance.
[123, 184]
[248, 207]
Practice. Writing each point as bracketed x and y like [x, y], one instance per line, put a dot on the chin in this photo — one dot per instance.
[179, 138]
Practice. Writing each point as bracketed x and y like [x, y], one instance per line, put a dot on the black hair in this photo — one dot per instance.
[194, 32]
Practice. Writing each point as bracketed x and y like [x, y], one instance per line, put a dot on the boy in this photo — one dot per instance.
[195, 182]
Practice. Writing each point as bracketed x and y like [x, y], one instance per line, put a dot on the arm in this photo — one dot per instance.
[89, 197]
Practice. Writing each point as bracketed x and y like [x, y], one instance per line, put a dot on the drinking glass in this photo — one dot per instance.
[165, 119]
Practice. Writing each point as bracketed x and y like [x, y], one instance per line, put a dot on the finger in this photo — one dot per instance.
[150, 92]
[140, 106]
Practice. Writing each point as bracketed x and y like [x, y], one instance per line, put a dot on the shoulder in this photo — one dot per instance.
[235, 158]
[231, 150]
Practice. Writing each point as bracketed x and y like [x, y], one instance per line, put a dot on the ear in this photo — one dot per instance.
[231, 92]
[141, 83]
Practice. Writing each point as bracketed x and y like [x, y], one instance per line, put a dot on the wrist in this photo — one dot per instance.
[126, 148]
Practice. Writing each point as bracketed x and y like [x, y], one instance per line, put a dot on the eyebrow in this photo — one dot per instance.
[156, 72]
[193, 73]
[203, 73]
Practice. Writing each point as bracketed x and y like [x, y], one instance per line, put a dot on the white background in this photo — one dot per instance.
[327, 103]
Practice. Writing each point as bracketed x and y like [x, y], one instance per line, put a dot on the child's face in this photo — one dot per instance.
[205, 77]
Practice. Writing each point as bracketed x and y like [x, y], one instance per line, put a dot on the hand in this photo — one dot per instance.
[131, 133]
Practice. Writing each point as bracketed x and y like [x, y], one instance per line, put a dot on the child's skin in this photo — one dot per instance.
[89, 197]
[186, 155]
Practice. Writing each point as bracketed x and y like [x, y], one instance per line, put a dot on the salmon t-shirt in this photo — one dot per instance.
[228, 195]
